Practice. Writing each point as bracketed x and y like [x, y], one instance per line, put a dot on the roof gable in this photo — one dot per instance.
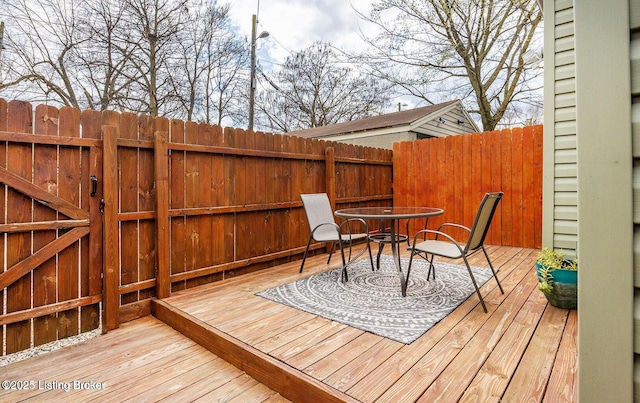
[402, 118]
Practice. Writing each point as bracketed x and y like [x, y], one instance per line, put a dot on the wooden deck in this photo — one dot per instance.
[142, 361]
[521, 350]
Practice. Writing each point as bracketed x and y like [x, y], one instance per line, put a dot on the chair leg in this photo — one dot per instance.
[492, 270]
[333, 247]
[425, 256]
[431, 266]
[475, 285]
[380, 248]
[304, 257]
[370, 255]
[413, 253]
[345, 276]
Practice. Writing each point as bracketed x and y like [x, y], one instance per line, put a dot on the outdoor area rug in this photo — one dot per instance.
[372, 301]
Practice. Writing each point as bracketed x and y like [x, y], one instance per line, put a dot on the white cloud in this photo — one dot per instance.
[296, 24]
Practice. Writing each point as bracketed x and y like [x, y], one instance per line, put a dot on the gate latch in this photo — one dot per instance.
[94, 185]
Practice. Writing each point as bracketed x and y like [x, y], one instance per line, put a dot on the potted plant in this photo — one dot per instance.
[558, 278]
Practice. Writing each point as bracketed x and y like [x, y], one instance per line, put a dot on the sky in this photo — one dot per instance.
[294, 25]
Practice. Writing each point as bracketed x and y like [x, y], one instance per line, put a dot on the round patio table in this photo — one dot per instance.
[393, 215]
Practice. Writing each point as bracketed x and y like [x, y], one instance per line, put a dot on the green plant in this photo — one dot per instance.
[570, 264]
[545, 279]
[549, 260]
[556, 259]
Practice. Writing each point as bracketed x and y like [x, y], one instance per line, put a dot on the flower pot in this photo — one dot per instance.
[564, 293]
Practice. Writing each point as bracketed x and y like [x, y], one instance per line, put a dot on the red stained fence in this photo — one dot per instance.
[455, 172]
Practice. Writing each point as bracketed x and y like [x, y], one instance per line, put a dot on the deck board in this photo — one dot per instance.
[563, 383]
[533, 372]
[333, 362]
[522, 349]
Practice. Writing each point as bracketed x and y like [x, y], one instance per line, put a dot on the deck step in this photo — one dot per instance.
[292, 384]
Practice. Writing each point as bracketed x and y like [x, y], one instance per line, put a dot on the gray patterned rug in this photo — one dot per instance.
[372, 301]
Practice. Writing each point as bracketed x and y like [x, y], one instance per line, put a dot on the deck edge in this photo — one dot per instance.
[290, 383]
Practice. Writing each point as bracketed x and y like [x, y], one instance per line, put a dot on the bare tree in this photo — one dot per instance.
[178, 58]
[226, 80]
[313, 88]
[192, 48]
[41, 41]
[211, 61]
[104, 56]
[467, 49]
[152, 27]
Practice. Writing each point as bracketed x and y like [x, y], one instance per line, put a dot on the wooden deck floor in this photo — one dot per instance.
[142, 361]
[521, 350]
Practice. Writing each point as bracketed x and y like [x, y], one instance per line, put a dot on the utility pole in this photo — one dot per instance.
[252, 84]
[1, 38]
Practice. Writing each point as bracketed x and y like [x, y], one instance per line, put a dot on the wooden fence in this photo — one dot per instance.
[454, 172]
[119, 208]
[153, 206]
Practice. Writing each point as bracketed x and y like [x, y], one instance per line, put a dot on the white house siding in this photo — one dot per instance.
[449, 127]
[379, 141]
[560, 165]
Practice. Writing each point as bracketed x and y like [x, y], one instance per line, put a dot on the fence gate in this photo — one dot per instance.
[50, 225]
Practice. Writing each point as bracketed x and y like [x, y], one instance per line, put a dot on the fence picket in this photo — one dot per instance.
[19, 209]
[45, 278]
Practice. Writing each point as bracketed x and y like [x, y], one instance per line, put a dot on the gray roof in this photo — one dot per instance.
[372, 123]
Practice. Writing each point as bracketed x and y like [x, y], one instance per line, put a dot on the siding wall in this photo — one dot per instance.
[634, 22]
[449, 126]
[593, 142]
[378, 141]
[561, 190]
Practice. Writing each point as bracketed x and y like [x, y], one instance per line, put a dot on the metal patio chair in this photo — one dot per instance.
[452, 249]
[324, 229]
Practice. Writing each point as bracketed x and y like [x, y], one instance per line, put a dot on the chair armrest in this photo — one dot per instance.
[348, 221]
[335, 227]
[449, 224]
[437, 233]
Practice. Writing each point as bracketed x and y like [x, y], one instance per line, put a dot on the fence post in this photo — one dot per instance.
[330, 172]
[161, 176]
[111, 246]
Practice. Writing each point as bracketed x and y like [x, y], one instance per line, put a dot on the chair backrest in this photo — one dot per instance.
[483, 220]
[318, 209]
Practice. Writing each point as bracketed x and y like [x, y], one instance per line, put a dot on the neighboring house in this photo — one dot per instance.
[591, 178]
[382, 131]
